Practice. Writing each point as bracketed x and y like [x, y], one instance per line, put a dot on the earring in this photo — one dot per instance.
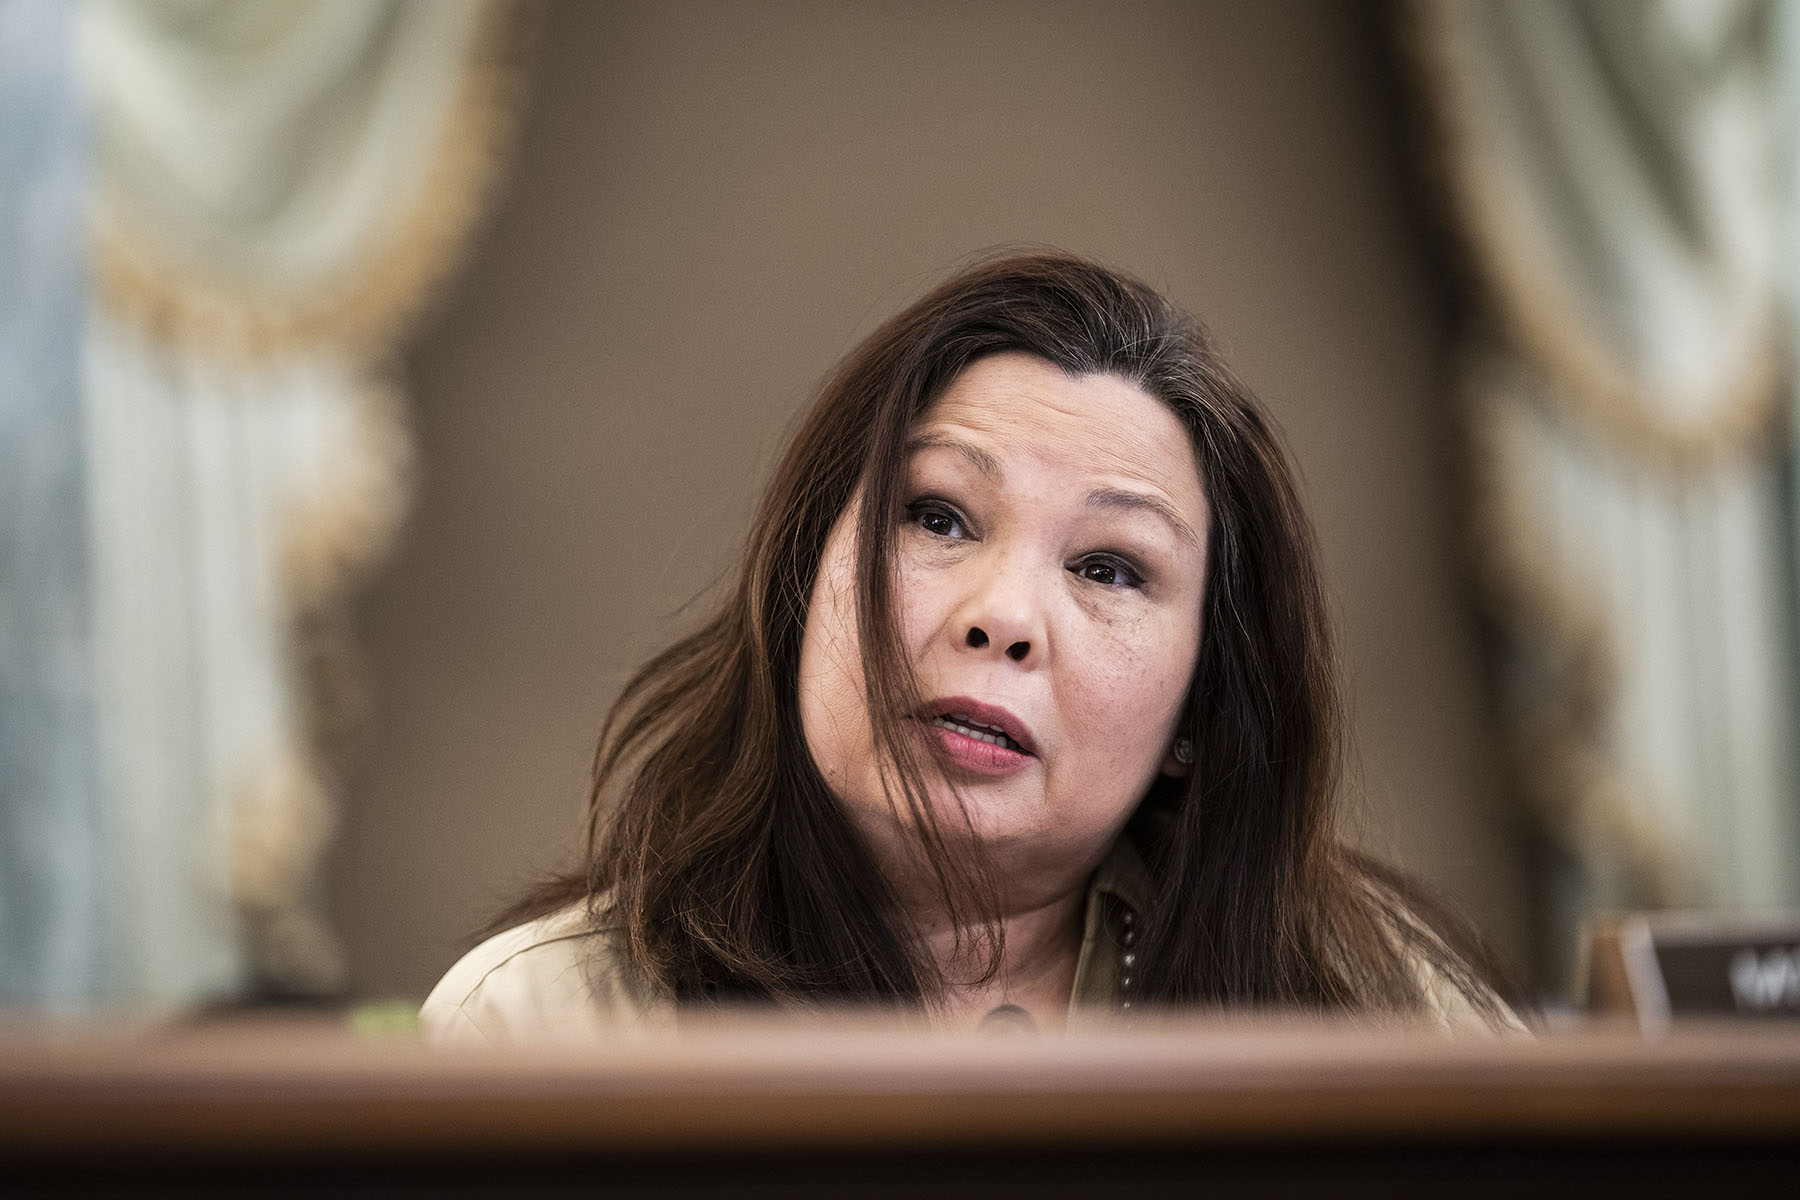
[1184, 751]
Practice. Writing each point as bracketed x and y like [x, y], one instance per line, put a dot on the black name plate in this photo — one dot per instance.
[1708, 965]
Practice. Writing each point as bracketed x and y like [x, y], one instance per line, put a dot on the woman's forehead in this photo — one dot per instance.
[1018, 408]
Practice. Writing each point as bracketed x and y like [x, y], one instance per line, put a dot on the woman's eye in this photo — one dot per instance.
[1109, 572]
[937, 518]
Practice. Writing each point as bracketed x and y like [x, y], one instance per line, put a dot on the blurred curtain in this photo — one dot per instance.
[52, 947]
[277, 185]
[1622, 174]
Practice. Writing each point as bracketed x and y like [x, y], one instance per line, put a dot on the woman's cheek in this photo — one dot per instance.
[1147, 666]
[921, 605]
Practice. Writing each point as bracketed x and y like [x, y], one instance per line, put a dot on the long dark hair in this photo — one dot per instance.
[727, 869]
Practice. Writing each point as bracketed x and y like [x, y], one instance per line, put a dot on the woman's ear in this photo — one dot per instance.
[1180, 759]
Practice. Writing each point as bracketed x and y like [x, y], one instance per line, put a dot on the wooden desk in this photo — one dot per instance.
[1234, 1109]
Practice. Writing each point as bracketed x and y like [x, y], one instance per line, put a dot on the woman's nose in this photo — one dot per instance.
[977, 639]
[1005, 614]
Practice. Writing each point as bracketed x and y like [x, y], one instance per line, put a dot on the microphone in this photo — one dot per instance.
[1007, 1019]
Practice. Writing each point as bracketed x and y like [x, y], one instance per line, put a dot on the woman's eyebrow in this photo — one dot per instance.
[984, 462]
[1112, 497]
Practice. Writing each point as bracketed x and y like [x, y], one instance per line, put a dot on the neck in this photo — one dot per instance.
[1036, 972]
[1042, 904]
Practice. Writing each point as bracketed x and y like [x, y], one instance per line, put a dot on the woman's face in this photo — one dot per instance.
[1050, 564]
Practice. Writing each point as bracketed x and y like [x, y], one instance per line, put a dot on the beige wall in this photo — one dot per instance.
[713, 202]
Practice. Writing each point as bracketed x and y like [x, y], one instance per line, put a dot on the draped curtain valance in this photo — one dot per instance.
[277, 187]
[1621, 175]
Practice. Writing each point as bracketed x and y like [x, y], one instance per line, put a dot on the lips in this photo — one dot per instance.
[984, 722]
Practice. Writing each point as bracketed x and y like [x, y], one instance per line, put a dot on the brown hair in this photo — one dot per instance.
[728, 869]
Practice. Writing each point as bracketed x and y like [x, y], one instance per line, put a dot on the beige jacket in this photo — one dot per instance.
[557, 978]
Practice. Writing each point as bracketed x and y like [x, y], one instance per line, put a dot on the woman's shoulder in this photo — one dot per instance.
[1453, 993]
[1464, 1004]
[554, 978]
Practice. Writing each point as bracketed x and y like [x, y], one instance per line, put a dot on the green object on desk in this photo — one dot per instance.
[385, 1019]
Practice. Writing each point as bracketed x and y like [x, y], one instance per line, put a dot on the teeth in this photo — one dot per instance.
[961, 724]
[965, 719]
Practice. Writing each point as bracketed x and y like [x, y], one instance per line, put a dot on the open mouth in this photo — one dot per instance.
[968, 727]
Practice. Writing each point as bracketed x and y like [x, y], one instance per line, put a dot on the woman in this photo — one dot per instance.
[1023, 703]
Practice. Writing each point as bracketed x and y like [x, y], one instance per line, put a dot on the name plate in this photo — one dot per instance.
[1664, 966]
